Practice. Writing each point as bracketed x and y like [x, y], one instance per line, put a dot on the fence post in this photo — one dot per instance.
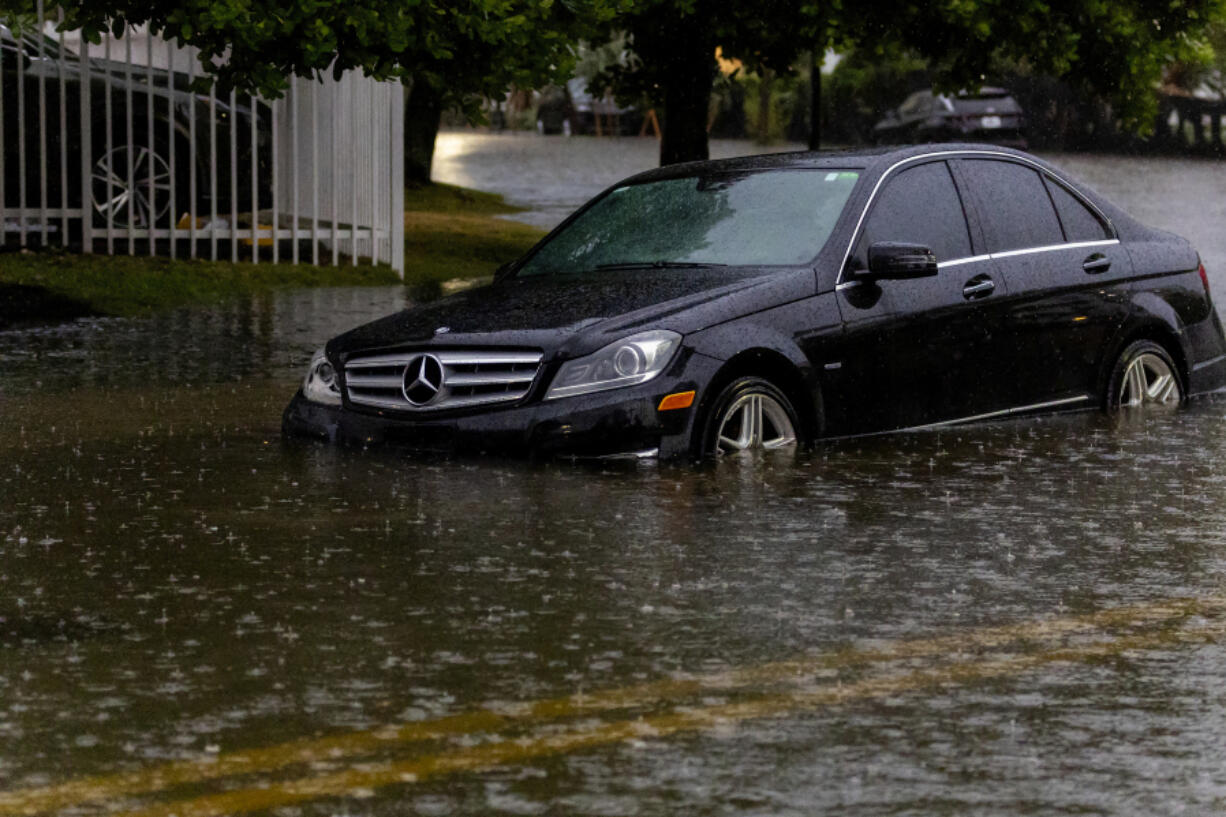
[87, 149]
[397, 181]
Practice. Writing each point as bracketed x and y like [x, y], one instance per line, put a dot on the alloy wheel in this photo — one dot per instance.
[754, 421]
[131, 205]
[1149, 381]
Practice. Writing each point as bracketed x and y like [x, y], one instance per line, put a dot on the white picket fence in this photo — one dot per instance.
[116, 152]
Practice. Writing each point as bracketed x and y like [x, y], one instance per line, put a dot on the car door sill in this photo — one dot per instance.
[991, 415]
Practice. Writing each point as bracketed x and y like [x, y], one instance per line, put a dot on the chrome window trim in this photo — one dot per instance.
[946, 154]
[992, 256]
[957, 262]
[1071, 245]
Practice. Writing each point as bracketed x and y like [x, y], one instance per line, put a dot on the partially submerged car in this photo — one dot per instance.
[987, 115]
[770, 301]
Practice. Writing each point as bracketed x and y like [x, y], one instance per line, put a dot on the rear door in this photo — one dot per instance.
[1066, 274]
[922, 351]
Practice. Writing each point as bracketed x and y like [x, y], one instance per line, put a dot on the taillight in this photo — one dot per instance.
[1204, 276]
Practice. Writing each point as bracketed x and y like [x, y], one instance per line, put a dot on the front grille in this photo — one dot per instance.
[468, 378]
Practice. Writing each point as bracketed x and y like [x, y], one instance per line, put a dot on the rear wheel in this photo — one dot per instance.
[749, 414]
[143, 203]
[1144, 379]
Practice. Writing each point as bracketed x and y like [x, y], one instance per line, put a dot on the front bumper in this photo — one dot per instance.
[615, 422]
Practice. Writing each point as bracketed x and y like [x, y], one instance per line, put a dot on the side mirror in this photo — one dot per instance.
[895, 260]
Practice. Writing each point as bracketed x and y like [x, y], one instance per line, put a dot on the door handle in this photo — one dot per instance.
[1096, 263]
[980, 286]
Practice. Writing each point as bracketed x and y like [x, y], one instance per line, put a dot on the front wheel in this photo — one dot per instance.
[1145, 378]
[749, 414]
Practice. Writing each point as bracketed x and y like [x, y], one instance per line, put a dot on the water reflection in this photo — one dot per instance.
[175, 583]
[267, 336]
[172, 592]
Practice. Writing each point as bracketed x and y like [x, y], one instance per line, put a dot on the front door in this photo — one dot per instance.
[926, 350]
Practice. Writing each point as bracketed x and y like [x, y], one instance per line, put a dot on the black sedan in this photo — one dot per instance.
[988, 115]
[771, 301]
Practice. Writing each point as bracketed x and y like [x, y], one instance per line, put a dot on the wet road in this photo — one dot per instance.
[194, 619]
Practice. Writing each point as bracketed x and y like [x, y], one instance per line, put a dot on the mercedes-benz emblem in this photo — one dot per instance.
[423, 379]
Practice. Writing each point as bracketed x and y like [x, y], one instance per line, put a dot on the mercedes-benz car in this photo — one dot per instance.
[772, 301]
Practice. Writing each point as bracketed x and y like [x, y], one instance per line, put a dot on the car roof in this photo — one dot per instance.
[872, 160]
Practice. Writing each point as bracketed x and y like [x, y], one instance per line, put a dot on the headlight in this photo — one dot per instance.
[628, 362]
[320, 384]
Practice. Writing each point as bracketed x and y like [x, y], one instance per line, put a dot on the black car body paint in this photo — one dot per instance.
[1001, 329]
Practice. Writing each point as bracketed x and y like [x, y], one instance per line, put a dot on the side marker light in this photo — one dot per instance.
[680, 400]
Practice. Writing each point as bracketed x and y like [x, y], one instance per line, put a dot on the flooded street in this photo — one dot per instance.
[197, 619]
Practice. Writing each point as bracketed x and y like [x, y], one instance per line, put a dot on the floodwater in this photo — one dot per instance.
[1024, 617]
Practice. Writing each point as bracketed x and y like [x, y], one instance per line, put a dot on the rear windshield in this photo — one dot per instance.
[762, 218]
[1002, 103]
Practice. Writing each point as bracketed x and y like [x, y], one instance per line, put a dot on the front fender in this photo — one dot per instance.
[783, 329]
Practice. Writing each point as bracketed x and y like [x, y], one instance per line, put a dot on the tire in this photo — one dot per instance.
[1144, 379]
[749, 414]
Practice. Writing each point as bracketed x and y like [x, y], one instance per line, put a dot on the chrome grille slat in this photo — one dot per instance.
[470, 378]
[492, 379]
[380, 360]
[461, 358]
[391, 381]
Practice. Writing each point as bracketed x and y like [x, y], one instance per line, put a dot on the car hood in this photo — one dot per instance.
[574, 316]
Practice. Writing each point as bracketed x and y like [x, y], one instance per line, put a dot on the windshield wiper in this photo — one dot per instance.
[659, 265]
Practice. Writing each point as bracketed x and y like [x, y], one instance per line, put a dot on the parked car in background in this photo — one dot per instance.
[989, 115]
[764, 302]
[33, 63]
[571, 109]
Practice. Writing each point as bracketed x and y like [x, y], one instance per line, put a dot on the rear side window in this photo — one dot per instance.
[920, 205]
[1017, 212]
[1080, 223]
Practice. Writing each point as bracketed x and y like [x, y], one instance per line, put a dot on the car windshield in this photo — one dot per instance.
[771, 218]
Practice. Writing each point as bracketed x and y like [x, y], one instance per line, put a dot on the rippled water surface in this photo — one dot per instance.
[198, 619]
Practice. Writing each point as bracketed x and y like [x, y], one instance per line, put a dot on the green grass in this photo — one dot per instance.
[447, 198]
[451, 234]
[134, 285]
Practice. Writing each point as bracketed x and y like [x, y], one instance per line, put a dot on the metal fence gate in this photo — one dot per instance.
[110, 148]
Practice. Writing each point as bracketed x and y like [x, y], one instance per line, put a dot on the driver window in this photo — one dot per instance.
[919, 205]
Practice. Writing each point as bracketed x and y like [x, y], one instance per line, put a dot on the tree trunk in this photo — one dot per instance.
[765, 81]
[815, 101]
[687, 97]
[423, 112]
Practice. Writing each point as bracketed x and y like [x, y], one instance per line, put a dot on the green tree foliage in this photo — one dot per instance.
[465, 48]
[452, 52]
[1115, 49]
[674, 44]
